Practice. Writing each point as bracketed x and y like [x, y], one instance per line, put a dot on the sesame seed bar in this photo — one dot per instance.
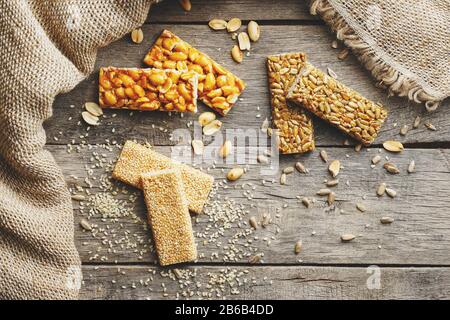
[136, 159]
[168, 216]
[337, 104]
[148, 89]
[294, 127]
[218, 88]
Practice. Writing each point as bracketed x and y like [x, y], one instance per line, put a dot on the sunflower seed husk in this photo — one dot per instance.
[78, 197]
[412, 166]
[391, 168]
[198, 147]
[391, 192]
[137, 36]
[416, 122]
[236, 54]
[254, 31]
[244, 41]
[306, 202]
[206, 117]
[288, 170]
[393, 146]
[404, 130]
[332, 183]
[225, 149]
[93, 109]
[234, 24]
[90, 119]
[283, 179]
[212, 127]
[361, 207]
[386, 220]
[334, 168]
[381, 189]
[300, 167]
[430, 126]
[85, 225]
[347, 237]
[331, 73]
[324, 155]
[217, 24]
[323, 192]
[235, 174]
[298, 247]
[376, 159]
[331, 198]
[262, 159]
[253, 223]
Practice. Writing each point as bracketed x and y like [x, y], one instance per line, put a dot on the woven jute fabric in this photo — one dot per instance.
[46, 48]
[404, 44]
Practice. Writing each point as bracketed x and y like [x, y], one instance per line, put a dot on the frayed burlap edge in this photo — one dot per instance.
[388, 77]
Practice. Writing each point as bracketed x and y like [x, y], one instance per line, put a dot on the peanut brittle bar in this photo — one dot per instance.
[148, 89]
[294, 127]
[218, 88]
[136, 159]
[337, 104]
[168, 216]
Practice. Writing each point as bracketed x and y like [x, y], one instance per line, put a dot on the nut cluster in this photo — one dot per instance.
[295, 129]
[337, 104]
[148, 89]
[217, 87]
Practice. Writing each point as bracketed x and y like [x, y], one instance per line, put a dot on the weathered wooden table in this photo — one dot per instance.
[408, 259]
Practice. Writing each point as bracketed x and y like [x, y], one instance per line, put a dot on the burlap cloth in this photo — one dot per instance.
[47, 47]
[404, 44]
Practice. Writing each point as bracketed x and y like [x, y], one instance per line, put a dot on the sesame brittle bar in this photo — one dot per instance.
[136, 159]
[169, 217]
[148, 89]
[218, 88]
[337, 104]
[294, 127]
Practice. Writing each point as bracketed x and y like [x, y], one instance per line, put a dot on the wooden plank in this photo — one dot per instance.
[272, 283]
[204, 10]
[420, 234]
[314, 40]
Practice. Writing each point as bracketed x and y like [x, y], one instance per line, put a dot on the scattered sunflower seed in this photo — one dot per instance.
[412, 166]
[255, 259]
[283, 179]
[235, 174]
[85, 225]
[253, 223]
[254, 31]
[347, 237]
[234, 24]
[391, 168]
[288, 170]
[404, 130]
[386, 220]
[342, 55]
[198, 147]
[334, 168]
[262, 159]
[300, 167]
[376, 159]
[416, 122]
[323, 154]
[393, 146]
[391, 192]
[334, 44]
[298, 247]
[361, 207]
[332, 183]
[78, 197]
[306, 202]
[236, 54]
[331, 73]
[323, 192]
[430, 126]
[331, 198]
[381, 189]
[186, 5]
[358, 147]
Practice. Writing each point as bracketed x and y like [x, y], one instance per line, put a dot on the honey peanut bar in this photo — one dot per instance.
[148, 89]
[217, 87]
[337, 104]
[294, 127]
[136, 159]
[168, 216]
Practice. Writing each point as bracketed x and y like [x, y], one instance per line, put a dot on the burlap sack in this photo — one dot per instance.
[405, 44]
[47, 47]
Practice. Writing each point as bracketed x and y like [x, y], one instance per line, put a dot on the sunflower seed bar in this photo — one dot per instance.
[148, 89]
[217, 88]
[337, 104]
[294, 127]
[136, 159]
[168, 216]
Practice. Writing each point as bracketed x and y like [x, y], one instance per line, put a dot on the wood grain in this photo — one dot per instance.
[291, 11]
[420, 234]
[281, 283]
[314, 40]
